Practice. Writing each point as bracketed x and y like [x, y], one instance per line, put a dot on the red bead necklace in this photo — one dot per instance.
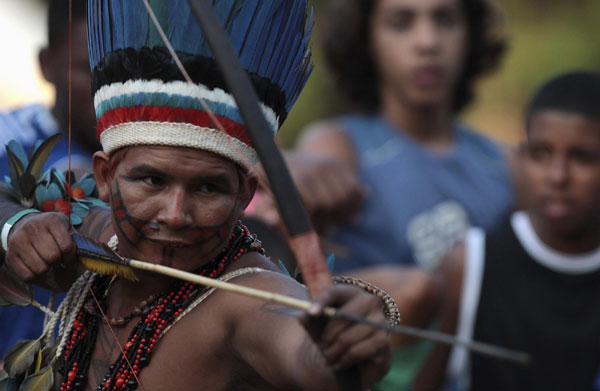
[142, 341]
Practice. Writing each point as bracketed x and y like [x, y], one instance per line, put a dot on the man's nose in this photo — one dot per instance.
[558, 172]
[427, 36]
[174, 211]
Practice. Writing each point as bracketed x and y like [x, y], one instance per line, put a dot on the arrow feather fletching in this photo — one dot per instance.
[99, 258]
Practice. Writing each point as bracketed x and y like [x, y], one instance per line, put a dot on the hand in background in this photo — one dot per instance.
[329, 188]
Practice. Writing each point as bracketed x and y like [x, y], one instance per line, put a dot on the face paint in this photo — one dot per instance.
[174, 216]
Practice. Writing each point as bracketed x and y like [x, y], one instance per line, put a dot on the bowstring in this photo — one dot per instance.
[70, 190]
[105, 317]
[69, 78]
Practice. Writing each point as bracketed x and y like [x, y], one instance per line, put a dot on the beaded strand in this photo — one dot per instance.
[140, 344]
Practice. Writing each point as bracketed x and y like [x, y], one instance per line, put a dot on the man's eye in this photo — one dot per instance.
[151, 180]
[207, 188]
[538, 153]
[399, 22]
[585, 156]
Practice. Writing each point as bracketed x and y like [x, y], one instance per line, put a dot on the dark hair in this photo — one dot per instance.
[58, 19]
[348, 50]
[576, 92]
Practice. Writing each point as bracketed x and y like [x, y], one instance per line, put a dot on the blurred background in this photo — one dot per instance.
[546, 37]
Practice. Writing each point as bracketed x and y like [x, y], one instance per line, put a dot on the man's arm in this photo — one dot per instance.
[432, 374]
[8, 206]
[271, 340]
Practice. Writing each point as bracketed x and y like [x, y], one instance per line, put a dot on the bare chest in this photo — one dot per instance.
[194, 354]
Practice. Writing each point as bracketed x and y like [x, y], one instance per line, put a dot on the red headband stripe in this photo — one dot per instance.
[173, 115]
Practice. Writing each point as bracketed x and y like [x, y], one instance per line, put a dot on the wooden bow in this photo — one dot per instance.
[303, 241]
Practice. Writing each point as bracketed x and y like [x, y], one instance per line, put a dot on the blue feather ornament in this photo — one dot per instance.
[271, 39]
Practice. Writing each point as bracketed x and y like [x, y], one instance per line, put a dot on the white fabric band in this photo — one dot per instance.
[177, 135]
[547, 256]
[177, 87]
[12, 221]
[474, 265]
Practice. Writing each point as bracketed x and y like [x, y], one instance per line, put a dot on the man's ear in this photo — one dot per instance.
[248, 185]
[46, 64]
[102, 174]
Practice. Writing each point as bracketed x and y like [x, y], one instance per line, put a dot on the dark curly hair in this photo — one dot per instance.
[345, 40]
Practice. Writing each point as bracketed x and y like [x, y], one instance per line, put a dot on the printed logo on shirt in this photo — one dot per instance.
[432, 234]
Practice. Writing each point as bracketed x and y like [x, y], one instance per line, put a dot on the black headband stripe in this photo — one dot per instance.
[156, 64]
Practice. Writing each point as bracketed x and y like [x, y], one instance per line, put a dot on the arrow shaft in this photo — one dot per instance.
[477, 347]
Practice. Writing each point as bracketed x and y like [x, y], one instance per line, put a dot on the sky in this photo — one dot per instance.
[22, 34]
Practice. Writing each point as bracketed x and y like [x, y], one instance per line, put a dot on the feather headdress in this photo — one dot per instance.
[141, 98]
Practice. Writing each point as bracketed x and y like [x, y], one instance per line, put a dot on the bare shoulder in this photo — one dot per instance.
[251, 270]
[270, 277]
[227, 309]
[327, 138]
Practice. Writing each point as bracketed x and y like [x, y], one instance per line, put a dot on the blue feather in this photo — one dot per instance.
[16, 148]
[270, 37]
[92, 248]
[135, 34]
[283, 268]
[330, 261]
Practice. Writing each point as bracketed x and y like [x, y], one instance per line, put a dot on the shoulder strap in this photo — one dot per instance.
[208, 292]
[469, 301]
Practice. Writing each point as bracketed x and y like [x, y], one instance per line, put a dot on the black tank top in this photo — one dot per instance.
[527, 306]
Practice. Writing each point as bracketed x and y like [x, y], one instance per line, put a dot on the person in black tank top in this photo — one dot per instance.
[533, 283]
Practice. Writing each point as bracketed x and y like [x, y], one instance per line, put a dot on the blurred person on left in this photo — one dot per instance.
[29, 123]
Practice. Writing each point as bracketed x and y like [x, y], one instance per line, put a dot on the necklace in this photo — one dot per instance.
[142, 308]
[165, 309]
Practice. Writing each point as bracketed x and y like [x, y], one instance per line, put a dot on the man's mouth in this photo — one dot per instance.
[170, 242]
[430, 76]
[557, 208]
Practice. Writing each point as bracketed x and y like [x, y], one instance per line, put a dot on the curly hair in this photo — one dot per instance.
[345, 40]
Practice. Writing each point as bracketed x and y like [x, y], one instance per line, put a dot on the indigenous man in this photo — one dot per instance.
[177, 187]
